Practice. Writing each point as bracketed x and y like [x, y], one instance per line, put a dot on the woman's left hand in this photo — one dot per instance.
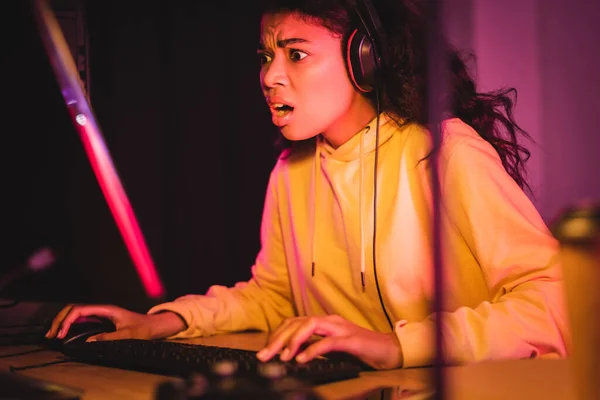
[376, 349]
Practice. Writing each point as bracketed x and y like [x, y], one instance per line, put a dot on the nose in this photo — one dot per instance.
[274, 73]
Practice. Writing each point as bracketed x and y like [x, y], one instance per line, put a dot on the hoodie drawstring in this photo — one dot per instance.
[315, 192]
[361, 206]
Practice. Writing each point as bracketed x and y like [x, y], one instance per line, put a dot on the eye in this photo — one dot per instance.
[297, 55]
[264, 58]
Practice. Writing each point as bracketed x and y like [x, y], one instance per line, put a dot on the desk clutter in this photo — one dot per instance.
[15, 386]
[232, 386]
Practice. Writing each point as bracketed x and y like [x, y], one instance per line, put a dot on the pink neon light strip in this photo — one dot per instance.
[120, 207]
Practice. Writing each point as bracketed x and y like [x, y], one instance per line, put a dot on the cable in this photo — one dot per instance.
[21, 353]
[377, 94]
[15, 369]
[9, 305]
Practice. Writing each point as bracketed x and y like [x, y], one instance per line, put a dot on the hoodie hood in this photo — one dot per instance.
[355, 149]
[350, 150]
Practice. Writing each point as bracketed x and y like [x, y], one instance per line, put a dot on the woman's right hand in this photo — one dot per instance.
[128, 324]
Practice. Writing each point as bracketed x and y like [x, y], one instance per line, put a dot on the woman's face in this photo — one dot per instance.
[303, 70]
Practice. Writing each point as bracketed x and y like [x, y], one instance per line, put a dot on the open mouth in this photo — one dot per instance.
[282, 109]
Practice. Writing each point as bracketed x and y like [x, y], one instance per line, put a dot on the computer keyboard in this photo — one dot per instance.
[183, 359]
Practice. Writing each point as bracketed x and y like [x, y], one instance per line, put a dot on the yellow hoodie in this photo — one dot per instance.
[503, 294]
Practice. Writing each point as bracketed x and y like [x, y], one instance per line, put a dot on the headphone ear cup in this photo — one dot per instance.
[362, 65]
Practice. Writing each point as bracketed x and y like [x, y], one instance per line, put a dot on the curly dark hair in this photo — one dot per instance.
[404, 72]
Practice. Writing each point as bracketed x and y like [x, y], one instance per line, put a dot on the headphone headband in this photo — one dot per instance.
[370, 22]
[364, 48]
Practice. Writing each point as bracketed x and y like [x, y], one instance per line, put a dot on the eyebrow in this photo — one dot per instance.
[284, 42]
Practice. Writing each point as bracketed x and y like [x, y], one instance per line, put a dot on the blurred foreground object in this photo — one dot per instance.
[578, 230]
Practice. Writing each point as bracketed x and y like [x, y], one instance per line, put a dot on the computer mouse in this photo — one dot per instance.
[82, 329]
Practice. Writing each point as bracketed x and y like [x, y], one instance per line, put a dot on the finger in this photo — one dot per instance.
[76, 312]
[279, 338]
[281, 332]
[125, 333]
[312, 326]
[299, 331]
[58, 320]
[322, 327]
[281, 328]
[347, 344]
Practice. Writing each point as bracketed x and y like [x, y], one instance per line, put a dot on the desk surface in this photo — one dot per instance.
[524, 379]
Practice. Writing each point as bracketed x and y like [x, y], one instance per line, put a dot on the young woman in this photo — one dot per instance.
[347, 248]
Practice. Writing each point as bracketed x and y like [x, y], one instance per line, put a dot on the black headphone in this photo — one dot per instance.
[363, 51]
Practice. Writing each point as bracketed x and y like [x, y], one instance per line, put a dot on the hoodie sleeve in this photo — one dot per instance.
[525, 315]
[261, 303]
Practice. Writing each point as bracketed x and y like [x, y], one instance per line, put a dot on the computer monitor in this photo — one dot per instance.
[95, 147]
